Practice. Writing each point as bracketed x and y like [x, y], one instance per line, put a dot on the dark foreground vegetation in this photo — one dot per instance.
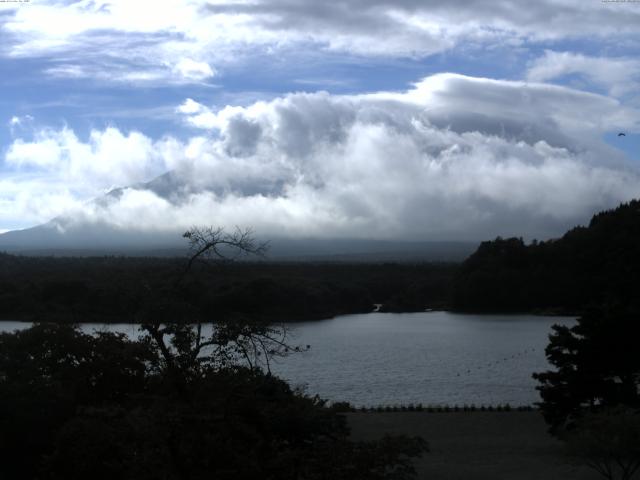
[75, 406]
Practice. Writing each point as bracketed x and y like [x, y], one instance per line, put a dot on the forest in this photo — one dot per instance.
[592, 264]
[113, 289]
[589, 265]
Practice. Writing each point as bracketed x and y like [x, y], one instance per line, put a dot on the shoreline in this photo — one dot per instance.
[109, 320]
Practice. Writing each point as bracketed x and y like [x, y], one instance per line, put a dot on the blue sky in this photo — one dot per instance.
[102, 94]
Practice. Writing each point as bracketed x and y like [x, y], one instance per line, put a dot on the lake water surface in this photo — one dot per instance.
[429, 357]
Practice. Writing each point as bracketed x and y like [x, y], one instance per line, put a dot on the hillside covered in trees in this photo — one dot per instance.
[596, 264]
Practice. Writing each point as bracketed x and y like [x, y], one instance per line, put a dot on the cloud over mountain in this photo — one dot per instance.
[455, 157]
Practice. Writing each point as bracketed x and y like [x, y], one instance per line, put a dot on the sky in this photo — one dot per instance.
[385, 119]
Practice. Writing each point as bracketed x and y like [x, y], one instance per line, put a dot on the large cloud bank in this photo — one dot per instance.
[453, 158]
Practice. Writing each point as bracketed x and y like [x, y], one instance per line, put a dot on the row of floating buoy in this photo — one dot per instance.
[500, 361]
[296, 349]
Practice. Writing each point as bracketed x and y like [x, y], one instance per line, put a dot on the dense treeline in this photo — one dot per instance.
[117, 288]
[593, 265]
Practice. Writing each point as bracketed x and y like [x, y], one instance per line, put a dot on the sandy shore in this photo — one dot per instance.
[477, 445]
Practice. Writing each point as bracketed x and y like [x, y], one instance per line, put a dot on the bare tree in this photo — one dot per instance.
[214, 243]
[190, 350]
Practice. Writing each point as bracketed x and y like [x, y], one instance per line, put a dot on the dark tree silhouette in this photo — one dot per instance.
[47, 373]
[597, 366]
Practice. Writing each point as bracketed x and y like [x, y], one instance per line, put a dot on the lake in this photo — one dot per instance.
[429, 357]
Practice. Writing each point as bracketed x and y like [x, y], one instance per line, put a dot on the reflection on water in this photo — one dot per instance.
[428, 358]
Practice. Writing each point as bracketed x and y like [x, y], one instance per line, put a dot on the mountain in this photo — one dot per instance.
[60, 236]
[68, 237]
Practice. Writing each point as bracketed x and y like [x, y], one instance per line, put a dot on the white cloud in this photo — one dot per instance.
[179, 40]
[618, 76]
[56, 172]
[198, 115]
[108, 158]
[43, 153]
[192, 70]
[184, 72]
[19, 123]
[190, 107]
[454, 158]
[27, 200]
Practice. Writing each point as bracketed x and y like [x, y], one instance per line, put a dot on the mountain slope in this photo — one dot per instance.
[101, 239]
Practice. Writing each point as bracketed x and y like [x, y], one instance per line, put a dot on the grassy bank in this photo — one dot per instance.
[479, 445]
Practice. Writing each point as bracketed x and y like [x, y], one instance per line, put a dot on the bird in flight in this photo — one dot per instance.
[621, 134]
